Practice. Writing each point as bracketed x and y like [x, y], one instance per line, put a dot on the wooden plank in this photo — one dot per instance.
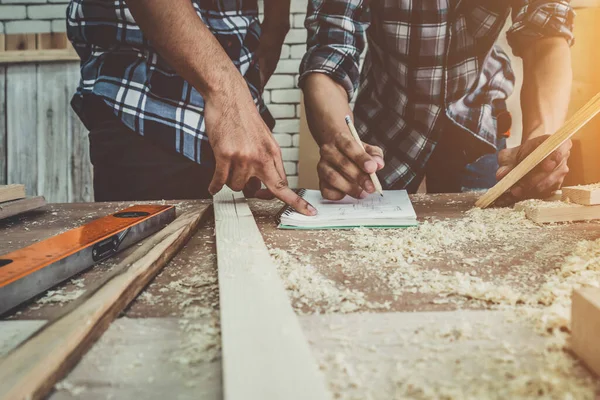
[2, 43]
[585, 326]
[52, 40]
[12, 208]
[543, 212]
[3, 150]
[553, 142]
[54, 145]
[21, 109]
[31, 370]
[265, 353]
[11, 192]
[308, 155]
[587, 195]
[14, 57]
[585, 3]
[81, 179]
[20, 42]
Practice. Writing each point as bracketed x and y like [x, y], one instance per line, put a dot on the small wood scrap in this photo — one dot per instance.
[32, 369]
[545, 212]
[587, 195]
[11, 192]
[585, 326]
[16, 207]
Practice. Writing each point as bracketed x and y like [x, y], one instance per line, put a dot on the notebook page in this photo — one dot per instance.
[393, 204]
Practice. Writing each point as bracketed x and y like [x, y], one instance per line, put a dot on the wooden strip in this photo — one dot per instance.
[21, 108]
[11, 192]
[585, 326]
[3, 150]
[31, 370]
[547, 212]
[54, 145]
[19, 42]
[52, 40]
[14, 57]
[553, 142]
[265, 353]
[2, 43]
[12, 208]
[587, 195]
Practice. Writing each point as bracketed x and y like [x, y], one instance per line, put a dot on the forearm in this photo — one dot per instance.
[326, 104]
[277, 15]
[184, 41]
[546, 87]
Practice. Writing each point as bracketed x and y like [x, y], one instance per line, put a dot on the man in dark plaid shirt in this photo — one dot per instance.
[431, 88]
[163, 79]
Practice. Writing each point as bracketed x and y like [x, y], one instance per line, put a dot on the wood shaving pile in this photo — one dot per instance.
[60, 296]
[70, 388]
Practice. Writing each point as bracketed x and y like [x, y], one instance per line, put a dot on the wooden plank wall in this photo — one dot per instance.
[42, 142]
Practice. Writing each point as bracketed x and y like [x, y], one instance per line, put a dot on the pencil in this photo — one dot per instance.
[373, 176]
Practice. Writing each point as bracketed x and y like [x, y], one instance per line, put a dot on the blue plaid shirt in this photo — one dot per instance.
[119, 65]
[431, 67]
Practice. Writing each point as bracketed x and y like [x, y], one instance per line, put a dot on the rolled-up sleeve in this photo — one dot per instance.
[536, 19]
[336, 39]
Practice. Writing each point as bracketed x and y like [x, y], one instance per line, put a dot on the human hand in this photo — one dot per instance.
[245, 151]
[269, 49]
[344, 167]
[545, 178]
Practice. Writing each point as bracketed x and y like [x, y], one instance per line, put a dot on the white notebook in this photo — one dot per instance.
[393, 210]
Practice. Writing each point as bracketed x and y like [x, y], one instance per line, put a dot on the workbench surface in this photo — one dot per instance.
[446, 310]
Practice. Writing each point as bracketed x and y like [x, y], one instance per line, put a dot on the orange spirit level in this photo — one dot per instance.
[28, 272]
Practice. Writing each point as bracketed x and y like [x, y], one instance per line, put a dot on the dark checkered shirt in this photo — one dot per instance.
[431, 66]
[119, 65]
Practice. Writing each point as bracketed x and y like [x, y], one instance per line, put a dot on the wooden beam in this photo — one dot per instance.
[553, 142]
[54, 40]
[265, 353]
[587, 195]
[11, 192]
[16, 207]
[32, 369]
[585, 326]
[542, 212]
[14, 57]
[20, 42]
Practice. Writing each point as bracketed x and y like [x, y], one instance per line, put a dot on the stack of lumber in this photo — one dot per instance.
[13, 201]
[578, 203]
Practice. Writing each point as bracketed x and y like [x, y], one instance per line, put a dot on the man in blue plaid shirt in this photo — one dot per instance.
[171, 91]
[432, 91]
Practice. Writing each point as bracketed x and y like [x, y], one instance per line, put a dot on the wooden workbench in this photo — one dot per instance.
[378, 320]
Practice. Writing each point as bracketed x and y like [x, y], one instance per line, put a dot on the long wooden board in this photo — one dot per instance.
[585, 326]
[11, 192]
[548, 212]
[12, 208]
[31, 370]
[587, 195]
[553, 142]
[265, 353]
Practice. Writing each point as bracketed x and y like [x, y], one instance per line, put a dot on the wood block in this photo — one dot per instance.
[542, 212]
[585, 326]
[21, 42]
[11, 192]
[54, 40]
[587, 195]
[17, 207]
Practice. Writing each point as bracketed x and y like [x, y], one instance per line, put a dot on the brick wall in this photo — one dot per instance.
[281, 94]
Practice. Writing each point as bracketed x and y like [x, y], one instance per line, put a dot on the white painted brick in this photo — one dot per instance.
[59, 25]
[288, 67]
[289, 154]
[266, 95]
[283, 139]
[282, 110]
[1, 27]
[297, 51]
[12, 12]
[298, 20]
[59, 1]
[298, 6]
[23, 1]
[280, 82]
[298, 111]
[285, 52]
[290, 168]
[27, 27]
[295, 36]
[50, 11]
[296, 140]
[286, 96]
[287, 126]
[293, 182]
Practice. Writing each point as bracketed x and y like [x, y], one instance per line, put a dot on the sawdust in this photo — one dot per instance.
[60, 296]
[72, 389]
